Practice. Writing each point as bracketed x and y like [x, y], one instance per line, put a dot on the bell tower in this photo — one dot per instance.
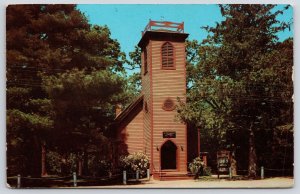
[163, 81]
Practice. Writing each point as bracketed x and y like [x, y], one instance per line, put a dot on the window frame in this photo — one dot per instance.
[173, 67]
[164, 107]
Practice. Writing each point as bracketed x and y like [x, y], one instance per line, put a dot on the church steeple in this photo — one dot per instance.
[163, 81]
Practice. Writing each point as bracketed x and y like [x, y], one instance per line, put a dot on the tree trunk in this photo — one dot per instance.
[34, 164]
[80, 166]
[252, 154]
[85, 163]
[198, 143]
[44, 171]
[233, 164]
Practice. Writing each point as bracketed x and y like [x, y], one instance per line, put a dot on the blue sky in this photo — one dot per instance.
[128, 20]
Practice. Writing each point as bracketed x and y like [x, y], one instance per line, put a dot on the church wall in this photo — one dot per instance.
[146, 83]
[168, 83]
[130, 134]
[134, 132]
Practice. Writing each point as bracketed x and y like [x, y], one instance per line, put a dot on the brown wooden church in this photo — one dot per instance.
[149, 123]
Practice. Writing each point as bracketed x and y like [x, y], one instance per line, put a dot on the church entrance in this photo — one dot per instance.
[168, 155]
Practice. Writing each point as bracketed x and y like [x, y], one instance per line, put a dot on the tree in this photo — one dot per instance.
[135, 80]
[84, 107]
[240, 88]
[45, 41]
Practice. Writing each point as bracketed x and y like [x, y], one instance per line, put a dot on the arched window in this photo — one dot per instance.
[167, 53]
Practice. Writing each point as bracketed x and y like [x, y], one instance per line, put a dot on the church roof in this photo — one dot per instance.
[162, 35]
[129, 108]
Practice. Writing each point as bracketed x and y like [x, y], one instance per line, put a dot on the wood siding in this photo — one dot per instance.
[131, 134]
[146, 85]
[142, 129]
[134, 133]
[168, 84]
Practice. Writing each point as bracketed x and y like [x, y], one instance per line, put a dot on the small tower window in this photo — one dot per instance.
[169, 105]
[167, 53]
[145, 61]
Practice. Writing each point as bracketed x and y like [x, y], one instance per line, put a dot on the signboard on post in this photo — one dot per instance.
[223, 160]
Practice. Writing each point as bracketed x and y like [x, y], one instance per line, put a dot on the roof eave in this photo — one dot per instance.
[163, 34]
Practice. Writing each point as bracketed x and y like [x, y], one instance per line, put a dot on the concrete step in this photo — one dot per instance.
[171, 175]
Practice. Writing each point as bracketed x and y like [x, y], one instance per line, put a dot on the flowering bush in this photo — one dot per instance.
[198, 168]
[196, 165]
[136, 161]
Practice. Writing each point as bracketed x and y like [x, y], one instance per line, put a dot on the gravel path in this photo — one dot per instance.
[222, 183]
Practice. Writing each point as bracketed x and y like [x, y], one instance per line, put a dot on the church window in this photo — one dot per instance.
[167, 53]
[168, 104]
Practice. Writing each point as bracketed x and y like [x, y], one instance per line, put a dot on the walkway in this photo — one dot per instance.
[280, 182]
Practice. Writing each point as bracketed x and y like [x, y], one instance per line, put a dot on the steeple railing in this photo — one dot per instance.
[164, 26]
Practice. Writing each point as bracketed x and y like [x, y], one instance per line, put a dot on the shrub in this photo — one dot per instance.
[104, 167]
[198, 168]
[196, 165]
[97, 167]
[53, 162]
[136, 161]
[206, 171]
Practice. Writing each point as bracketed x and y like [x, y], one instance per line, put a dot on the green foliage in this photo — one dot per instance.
[98, 167]
[135, 64]
[240, 80]
[17, 97]
[53, 38]
[83, 103]
[196, 165]
[22, 132]
[57, 164]
[72, 162]
[135, 161]
[207, 171]
[17, 119]
[135, 57]
[135, 84]
[54, 160]
[63, 80]
[84, 100]
[198, 168]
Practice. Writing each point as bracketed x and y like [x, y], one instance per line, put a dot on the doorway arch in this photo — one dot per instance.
[168, 156]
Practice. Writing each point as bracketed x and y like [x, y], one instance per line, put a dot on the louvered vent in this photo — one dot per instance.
[167, 56]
